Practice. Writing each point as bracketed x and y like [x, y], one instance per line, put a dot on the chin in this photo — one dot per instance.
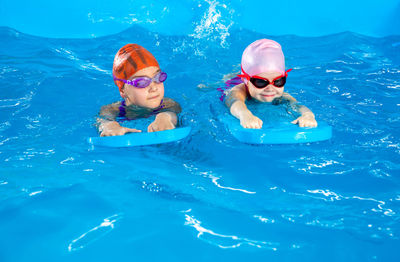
[154, 104]
[266, 99]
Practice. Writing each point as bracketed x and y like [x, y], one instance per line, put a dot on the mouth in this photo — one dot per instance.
[268, 95]
[153, 97]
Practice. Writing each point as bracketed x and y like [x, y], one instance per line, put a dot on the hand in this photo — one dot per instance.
[162, 122]
[115, 129]
[251, 121]
[306, 120]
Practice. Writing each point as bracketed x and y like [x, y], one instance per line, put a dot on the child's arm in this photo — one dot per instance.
[307, 118]
[235, 101]
[167, 118]
[107, 126]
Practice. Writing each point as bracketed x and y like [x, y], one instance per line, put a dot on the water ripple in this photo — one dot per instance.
[332, 196]
[225, 241]
[94, 234]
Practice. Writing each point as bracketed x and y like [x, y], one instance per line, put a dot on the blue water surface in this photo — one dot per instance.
[208, 197]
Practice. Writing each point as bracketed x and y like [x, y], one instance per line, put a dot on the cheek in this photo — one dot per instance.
[257, 91]
[162, 90]
[141, 95]
[137, 95]
[252, 90]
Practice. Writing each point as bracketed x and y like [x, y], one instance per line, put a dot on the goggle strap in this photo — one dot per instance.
[118, 79]
[245, 75]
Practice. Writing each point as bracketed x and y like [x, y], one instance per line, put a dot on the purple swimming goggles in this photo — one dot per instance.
[144, 81]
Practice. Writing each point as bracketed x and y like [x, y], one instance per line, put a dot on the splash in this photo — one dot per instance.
[215, 23]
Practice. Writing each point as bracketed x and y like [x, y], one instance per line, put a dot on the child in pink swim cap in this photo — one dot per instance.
[264, 77]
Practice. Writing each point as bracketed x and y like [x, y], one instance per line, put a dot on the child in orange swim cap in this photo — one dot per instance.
[263, 78]
[141, 85]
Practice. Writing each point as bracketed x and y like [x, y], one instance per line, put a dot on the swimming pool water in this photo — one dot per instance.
[207, 197]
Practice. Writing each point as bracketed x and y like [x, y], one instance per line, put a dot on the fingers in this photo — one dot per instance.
[305, 122]
[150, 128]
[295, 121]
[119, 131]
[252, 126]
[160, 126]
[132, 130]
[312, 124]
[168, 127]
[254, 123]
[308, 123]
[259, 123]
[112, 133]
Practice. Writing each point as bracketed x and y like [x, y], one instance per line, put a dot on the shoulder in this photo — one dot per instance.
[169, 102]
[111, 107]
[289, 98]
[110, 112]
[284, 99]
[238, 92]
[242, 88]
[172, 105]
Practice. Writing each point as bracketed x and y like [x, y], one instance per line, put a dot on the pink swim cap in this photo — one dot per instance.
[261, 56]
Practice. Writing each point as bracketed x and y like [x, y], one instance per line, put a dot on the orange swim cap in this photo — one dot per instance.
[130, 59]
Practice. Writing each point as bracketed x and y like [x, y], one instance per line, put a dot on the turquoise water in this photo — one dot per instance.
[207, 197]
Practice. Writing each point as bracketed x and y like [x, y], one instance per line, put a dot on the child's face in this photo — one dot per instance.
[150, 96]
[268, 93]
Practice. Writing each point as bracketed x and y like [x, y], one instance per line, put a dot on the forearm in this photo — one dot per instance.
[239, 109]
[305, 111]
[237, 95]
[107, 117]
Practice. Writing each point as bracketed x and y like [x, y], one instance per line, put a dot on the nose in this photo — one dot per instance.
[153, 87]
[269, 87]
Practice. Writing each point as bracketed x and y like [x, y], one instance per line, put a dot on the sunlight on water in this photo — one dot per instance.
[224, 241]
[94, 234]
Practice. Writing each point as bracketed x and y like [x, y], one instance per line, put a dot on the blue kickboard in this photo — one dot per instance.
[141, 139]
[279, 133]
